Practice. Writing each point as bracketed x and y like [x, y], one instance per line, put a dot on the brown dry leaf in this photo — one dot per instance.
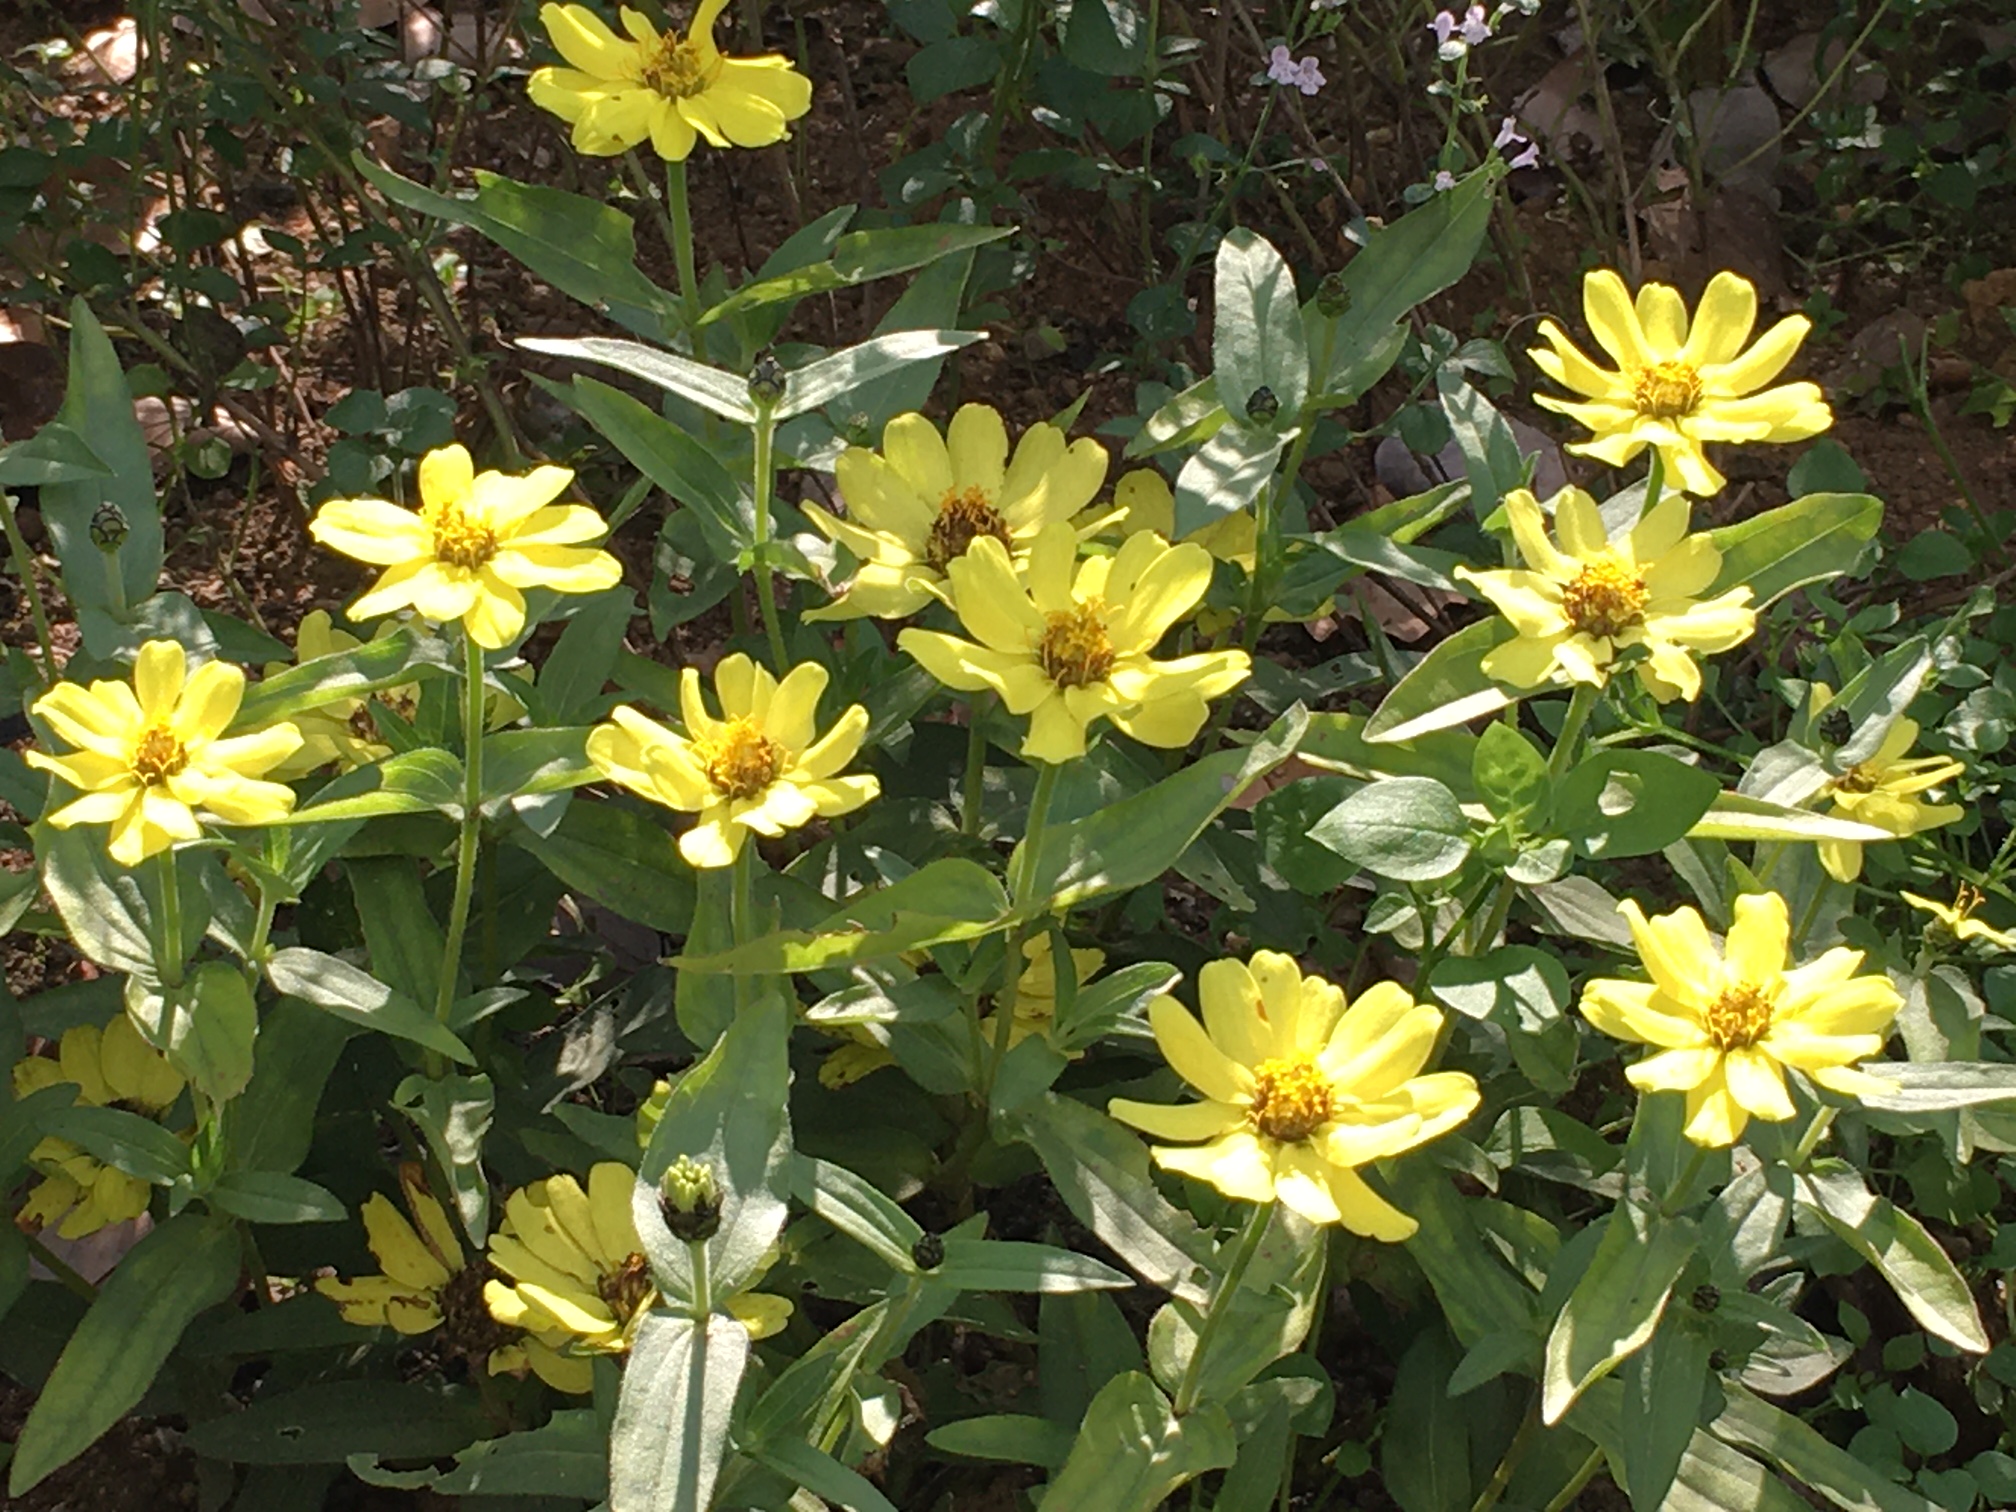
[111, 55]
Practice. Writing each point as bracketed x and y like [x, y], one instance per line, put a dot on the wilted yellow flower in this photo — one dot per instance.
[1578, 605]
[477, 539]
[78, 1193]
[1727, 1023]
[1883, 792]
[1957, 920]
[1036, 989]
[757, 767]
[151, 754]
[1148, 503]
[1299, 1091]
[663, 88]
[579, 1280]
[1677, 387]
[920, 503]
[1073, 648]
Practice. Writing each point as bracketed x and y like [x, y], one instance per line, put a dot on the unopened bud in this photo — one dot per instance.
[1262, 406]
[1333, 296]
[928, 1252]
[1707, 1298]
[1836, 727]
[860, 429]
[108, 527]
[766, 380]
[690, 1199]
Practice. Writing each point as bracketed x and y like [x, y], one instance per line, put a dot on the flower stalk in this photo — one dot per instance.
[681, 213]
[1221, 1304]
[766, 583]
[470, 839]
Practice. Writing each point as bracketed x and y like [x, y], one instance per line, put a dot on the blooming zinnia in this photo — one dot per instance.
[151, 755]
[663, 88]
[1299, 1091]
[1677, 386]
[922, 501]
[1728, 1023]
[1578, 605]
[1073, 648]
[1883, 792]
[757, 767]
[113, 1066]
[1957, 920]
[575, 1278]
[477, 539]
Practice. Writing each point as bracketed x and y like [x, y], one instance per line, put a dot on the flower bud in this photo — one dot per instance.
[690, 1199]
[1262, 406]
[1706, 1298]
[1333, 296]
[928, 1252]
[108, 527]
[1836, 728]
[766, 380]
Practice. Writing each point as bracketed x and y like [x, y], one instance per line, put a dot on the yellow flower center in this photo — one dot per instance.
[628, 1289]
[1074, 650]
[742, 762]
[964, 515]
[157, 757]
[1605, 597]
[1739, 1017]
[1857, 779]
[674, 69]
[1292, 1099]
[461, 541]
[1667, 390]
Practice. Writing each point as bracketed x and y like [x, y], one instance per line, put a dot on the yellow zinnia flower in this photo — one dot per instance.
[1070, 649]
[1728, 1022]
[1300, 1091]
[757, 767]
[151, 755]
[1579, 604]
[477, 539]
[921, 502]
[663, 89]
[1956, 918]
[1883, 792]
[1677, 387]
[1148, 503]
[579, 1280]
[1036, 989]
[78, 1193]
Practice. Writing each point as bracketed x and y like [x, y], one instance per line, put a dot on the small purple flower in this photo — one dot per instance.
[1444, 181]
[1476, 26]
[1444, 27]
[1283, 69]
[1509, 135]
[1453, 38]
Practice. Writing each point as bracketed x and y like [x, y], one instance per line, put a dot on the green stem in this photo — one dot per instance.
[1023, 874]
[1581, 704]
[1514, 1453]
[470, 839]
[682, 247]
[24, 574]
[57, 1268]
[766, 586]
[742, 912]
[1266, 536]
[1810, 1140]
[1576, 1482]
[703, 1282]
[1683, 1183]
[1221, 1304]
[1021, 880]
[1501, 907]
[1811, 911]
[975, 786]
[168, 947]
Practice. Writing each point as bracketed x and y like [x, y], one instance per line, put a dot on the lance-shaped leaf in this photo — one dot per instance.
[1617, 1303]
[54, 454]
[1408, 828]
[1807, 541]
[619, 858]
[1890, 1239]
[858, 257]
[351, 993]
[828, 378]
[453, 1115]
[1226, 474]
[1735, 816]
[725, 394]
[1132, 1450]
[1940, 1086]
[1803, 1453]
[671, 1429]
[357, 673]
[413, 782]
[1256, 329]
[1447, 687]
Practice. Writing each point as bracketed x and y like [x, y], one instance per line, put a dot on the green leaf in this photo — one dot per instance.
[138, 1146]
[102, 905]
[686, 470]
[819, 383]
[1807, 541]
[671, 1428]
[1226, 474]
[1732, 816]
[1132, 1451]
[1410, 829]
[1478, 1294]
[1130, 843]
[1890, 1239]
[1940, 1086]
[184, 1266]
[1617, 1303]
[1663, 1387]
[1184, 420]
[273, 1123]
[205, 1027]
[1803, 1453]
[1424, 1455]
[357, 673]
[822, 1475]
[1013, 1266]
[859, 257]
[270, 1197]
[858, 1209]
[729, 1114]
[23, 1122]
[932, 302]
[1096, 1010]
[54, 454]
[405, 941]
[1631, 803]
[703, 1003]
[352, 993]
[1011, 1437]
[1100, 1169]
[621, 859]
[412, 782]
[724, 394]
[520, 763]
[1508, 769]
[583, 247]
[949, 899]
[328, 1421]
[1256, 332]
[453, 1115]
[1447, 687]
[1337, 743]
[567, 1457]
[1492, 463]
[1106, 37]
[98, 404]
